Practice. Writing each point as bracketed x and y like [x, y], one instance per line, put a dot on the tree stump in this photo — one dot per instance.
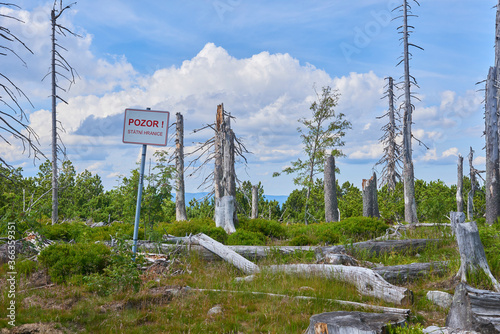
[353, 322]
[331, 204]
[370, 200]
[472, 256]
[474, 309]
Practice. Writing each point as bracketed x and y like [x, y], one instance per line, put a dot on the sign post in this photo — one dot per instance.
[146, 127]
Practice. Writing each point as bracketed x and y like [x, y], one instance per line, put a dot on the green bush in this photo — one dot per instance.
[243, 237]
[66, 260]
[193, 226]
[269, 228]
[302, 240]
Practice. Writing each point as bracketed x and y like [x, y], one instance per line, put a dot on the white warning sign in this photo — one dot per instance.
[147, 127]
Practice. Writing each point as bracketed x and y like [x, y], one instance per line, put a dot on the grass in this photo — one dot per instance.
[74, 308]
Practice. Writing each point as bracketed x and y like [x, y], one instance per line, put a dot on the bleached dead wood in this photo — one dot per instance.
[381, 247]
[472, 256]
[368, 282]
[343, 322]
[405, 273]
[402, 311]
[255, 202]
[331, 204]
[224, 213]
[180, 196]
[460, 182]
[474, 309]
[225, 253]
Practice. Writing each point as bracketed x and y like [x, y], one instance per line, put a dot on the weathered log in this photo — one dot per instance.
[370, 201]
[227, 254]
[474, 309]
[460, 182]
[353, 322]
[255, 202]
[331, 205]
[472, 256]
[405, 273]
[180, 197]
[375, 248]
[368, 282]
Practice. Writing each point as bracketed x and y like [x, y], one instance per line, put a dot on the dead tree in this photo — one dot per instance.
[408, 82]
[255, 201]
[180, 196]
[13, 119]
[60, 68]
[472, 256]
[370, 200]
[460, 184]
[331, 204]
[473, 186]
[392, 150]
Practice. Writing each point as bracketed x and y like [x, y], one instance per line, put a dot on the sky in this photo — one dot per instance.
[263, 60]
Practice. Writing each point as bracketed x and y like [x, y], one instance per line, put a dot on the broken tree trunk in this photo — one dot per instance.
[255, 202]
[354, 322]
[472, 256]
[405, 273]
[460, 183]
[366, 280]
[224, 213]
[227, 254]
[218, 186]
[370, 200]
[474, 309]
[331, 205]
[180, 197]
[470, 195]
[492, 146]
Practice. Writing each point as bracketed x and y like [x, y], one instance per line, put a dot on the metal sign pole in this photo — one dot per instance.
[139, 198]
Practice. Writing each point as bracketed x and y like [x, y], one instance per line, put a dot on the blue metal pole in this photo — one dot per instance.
[139, 198]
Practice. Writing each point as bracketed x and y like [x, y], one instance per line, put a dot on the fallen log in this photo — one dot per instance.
[405, 273]
[472, 256]
[375, 248]
[368, 282]
[474, 309]
[353, 322]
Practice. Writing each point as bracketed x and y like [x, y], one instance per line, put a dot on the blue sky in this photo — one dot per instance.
[262, 60]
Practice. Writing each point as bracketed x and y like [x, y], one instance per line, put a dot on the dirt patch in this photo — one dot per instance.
[49, 303]
[39, 328]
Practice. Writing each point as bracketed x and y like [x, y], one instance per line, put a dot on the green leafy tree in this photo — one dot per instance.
[323, 134]
[350, 201]
[295, 203]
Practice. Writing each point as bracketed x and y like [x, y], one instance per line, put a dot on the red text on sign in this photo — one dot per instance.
[143, 122]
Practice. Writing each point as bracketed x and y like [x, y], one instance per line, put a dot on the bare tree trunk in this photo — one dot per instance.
[331, 204]
[218, 184]
[370, 200]
[408, 176]
[55, 185]
[229, 174]
[470, 195]
[460, 182]
[255, 201]
[180, 199]
[472, 256]
[492, 154]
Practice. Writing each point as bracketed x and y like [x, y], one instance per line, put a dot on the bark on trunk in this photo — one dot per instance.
[492, 154]
[255, 202]
[224, 213]
[370, 200]
[472, 256]
[226, 253]
[366, 280]
[354, 322]
[180, 199]
[474, 310]
[460, 182]
[331, 205]
[55, 185]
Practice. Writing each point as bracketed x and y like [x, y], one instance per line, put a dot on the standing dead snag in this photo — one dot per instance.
[180, 196]
[392, 150]
[331, 204]
[255, 202]
[460, 183]
[59, 64]
[370, 200]
[472, 256]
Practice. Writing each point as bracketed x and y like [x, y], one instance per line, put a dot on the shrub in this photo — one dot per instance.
[66, 260]
[269, 228]
[302, 240]
[193, 226]
[243, 237]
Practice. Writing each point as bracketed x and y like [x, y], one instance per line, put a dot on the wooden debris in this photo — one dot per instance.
[368, 282]
[405, 273]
